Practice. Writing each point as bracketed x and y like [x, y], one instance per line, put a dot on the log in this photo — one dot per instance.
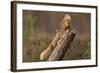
[47, 52]
[62, 46]
[64, 26]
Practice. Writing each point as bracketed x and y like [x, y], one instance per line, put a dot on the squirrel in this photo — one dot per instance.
[65, 25]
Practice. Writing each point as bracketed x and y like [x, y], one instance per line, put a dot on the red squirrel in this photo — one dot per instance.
[64, 25]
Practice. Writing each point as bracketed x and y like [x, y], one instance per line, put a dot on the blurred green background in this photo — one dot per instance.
[39, 28]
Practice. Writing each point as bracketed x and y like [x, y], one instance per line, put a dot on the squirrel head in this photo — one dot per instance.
[66, 22]
[67, 18]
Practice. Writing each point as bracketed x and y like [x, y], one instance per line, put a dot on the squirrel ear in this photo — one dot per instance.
[56, 30]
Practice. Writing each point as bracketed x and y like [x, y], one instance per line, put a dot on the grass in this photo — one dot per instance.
[35, 41]
[79, 49]
[39, 43]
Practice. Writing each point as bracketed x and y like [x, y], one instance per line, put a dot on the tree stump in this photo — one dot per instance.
[62, 46]
[60, 42]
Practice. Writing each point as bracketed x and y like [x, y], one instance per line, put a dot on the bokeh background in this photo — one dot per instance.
[39, 28]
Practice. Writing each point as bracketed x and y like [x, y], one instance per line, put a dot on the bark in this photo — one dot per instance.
[47, 52]
[62, 46]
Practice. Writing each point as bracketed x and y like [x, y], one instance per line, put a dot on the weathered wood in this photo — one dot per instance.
[62, 46]
[64, 26]
[47, 52]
